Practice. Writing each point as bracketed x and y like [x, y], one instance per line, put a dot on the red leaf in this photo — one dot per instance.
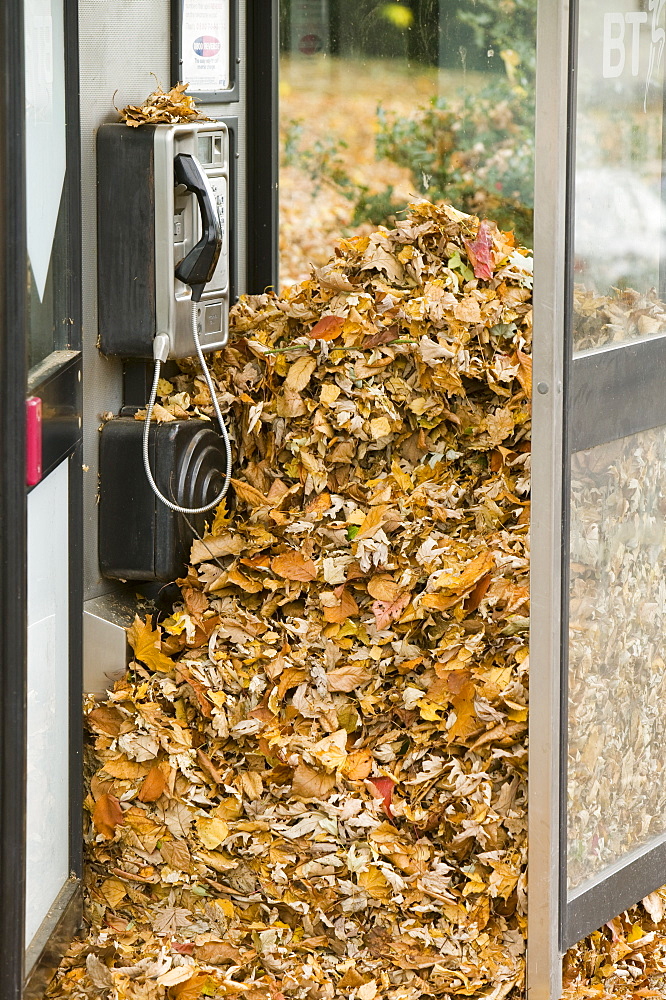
[480, 251]
[385, 788]
[383, 336]
[386, 612]
[184, 948]
[327, 328]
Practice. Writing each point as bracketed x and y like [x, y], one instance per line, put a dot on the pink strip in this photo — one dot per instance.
[33, 440]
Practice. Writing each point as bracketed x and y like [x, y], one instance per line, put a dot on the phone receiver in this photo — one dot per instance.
[197, 268]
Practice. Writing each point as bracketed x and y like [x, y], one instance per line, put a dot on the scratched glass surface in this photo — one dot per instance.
[620, 224]
[617, 652]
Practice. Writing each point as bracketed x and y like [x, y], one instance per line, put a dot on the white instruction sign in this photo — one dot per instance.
[206, 46]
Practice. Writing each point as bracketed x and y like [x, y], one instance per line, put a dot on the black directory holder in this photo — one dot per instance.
[139, 537]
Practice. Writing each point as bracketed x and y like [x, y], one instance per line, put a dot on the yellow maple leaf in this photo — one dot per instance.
[146, 643]
[212, 831]
[374, 883]
[221, 520]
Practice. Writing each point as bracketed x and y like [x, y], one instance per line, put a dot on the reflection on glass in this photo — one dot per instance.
[50, 327]
[619, 219]
[617, 652]
[383, 102]
[48, 276]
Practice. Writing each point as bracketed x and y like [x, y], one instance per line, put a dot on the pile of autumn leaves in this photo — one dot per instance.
[171, 107]
[311, 781]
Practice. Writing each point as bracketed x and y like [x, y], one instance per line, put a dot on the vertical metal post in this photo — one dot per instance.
[544, 973]
[13, 583]
[262, 144]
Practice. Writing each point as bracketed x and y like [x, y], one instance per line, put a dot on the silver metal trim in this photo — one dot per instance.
[163, 151]
[605, 385]
[614, 889]
[173, 300]
[52, 939]
[544, 969]
[105, 647]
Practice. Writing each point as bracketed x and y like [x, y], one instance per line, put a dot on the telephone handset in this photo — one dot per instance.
[198, 267]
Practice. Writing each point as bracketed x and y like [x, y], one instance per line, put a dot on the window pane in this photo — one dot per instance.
[619, 218]
[50, 324]
[384, 102]
[617, 652]
[47, 806]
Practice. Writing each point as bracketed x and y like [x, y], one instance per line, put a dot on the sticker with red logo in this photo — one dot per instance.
[206, 46]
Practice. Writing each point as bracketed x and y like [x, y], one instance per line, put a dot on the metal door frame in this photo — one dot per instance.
[544, 966]
[13, 519]
[262, 151]
[562, 425]
[24, 973]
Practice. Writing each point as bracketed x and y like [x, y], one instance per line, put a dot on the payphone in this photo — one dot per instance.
[163, 293]
[163, 241]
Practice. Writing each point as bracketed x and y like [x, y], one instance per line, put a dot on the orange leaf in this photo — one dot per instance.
[249, 494]
[153, 785]
[437, 602]
[198, 688]
[339, 613]
[327, 328]
[290, 678]
[294, 566]
[466, 718]
[383, 588]
[195, 600]
[346, 678]
[193, 987]
[524, 371]
[373, 520]
[219, 953]
[358, 765]
[319, 505]
[106, 720]
[478, 593]
[107, 815]
[462, 578]
[309, 783]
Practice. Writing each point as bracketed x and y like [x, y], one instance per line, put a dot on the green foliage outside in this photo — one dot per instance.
[476, 150]
[477, 154]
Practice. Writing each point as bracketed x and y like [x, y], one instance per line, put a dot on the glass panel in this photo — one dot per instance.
[47, 230]
[383, 102]
[617, 652]
[619, 217]
[47, 811]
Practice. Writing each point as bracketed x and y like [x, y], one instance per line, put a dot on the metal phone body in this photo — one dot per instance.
[145, 226]
[177, 229]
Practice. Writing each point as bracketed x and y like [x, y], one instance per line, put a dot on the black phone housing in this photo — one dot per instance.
[139, 537]
[126, 249]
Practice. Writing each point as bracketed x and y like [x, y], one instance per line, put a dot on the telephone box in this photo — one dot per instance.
[188, 217]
